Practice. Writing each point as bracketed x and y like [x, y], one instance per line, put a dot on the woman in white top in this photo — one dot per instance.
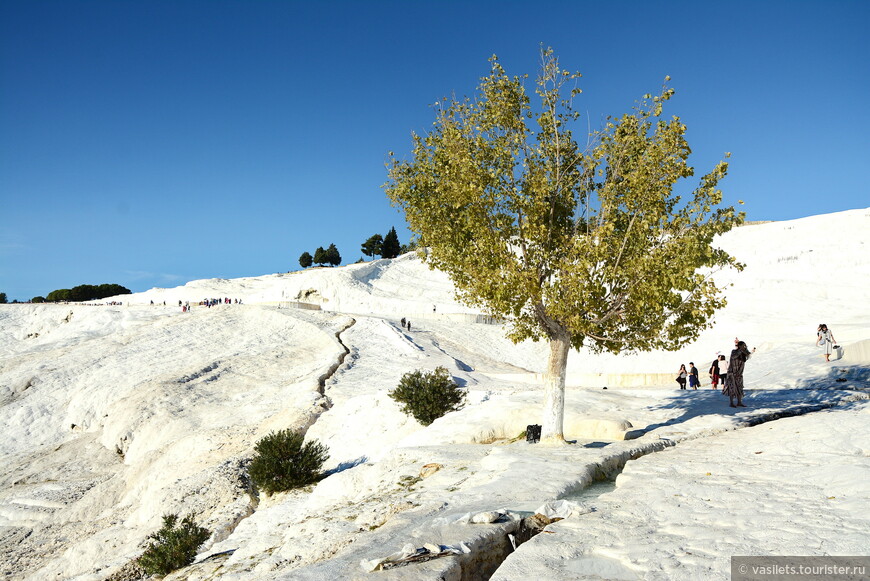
[825, 339]
[723, 370]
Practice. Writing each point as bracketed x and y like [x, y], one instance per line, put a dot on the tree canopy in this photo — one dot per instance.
[580, 244]
[332, 255]
[305, 260]
[87, 292]
[391, 247]
[320, 256]
[372, 246]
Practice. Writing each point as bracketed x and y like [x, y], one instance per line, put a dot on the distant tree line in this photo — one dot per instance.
[83, 292]
[384, 246]
[321, 257]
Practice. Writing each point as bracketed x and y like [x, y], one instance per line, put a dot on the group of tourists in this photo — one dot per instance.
[406, 323]
[185, 305]
[212, 302]
[728, 372]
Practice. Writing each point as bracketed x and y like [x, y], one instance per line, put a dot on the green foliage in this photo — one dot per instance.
[39, 299]
[372, 246]
[409, 247]
[283, 462]
[428, 395]
[173, 547]
[3, 299]
[87, 292]
[578, 244]
[390, 248]
[591, 242]
[320, 256]
[58, 295]
[305, 260]
[332, 256]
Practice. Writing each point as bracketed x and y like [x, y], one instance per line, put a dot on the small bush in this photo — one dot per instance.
[173, 547]
[428, 395]
[282, 462]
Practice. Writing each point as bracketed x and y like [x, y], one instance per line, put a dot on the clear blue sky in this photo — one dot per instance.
[149, 143]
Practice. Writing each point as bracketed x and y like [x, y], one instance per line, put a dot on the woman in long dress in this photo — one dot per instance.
[826, 340]
[734, 379]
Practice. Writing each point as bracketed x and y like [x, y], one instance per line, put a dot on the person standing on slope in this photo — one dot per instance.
[714, 373]
[694, 381]
[825, 339]
[681, 376]
[723, 370]
[734, 381]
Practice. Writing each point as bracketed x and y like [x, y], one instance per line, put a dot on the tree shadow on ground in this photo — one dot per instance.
[346, 465]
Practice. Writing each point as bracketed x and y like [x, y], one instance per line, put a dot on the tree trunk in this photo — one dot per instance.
[554, 386]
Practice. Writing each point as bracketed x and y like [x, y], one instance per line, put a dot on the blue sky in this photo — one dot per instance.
[153, 143]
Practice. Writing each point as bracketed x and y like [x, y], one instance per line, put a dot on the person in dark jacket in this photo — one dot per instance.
[714, 373]
[694, 381]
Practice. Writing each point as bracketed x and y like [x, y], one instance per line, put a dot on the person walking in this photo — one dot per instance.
[694, 381]
[682, 374]
[723, 370]
[714, 373]
[734, 382]
[826, 340]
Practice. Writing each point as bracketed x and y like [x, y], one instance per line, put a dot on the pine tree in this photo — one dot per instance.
[320, 256]
[372, 246]
[173, 546]
[581, 245]
[391, 247]
[332, 256]
[305, 260]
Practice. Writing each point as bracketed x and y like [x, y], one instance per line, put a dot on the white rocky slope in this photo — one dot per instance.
[114, 416]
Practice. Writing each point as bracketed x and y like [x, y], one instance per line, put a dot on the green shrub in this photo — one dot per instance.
[173, 547]
[428, 395]
[282, 462]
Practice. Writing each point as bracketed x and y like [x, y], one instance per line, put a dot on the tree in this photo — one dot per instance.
[332, 256]
[409, 247]
[284, 461]
[173, 547]
[581, 246]
[3, 299]
[428, 395]
[87, 292]
[320, 256]
[305, 260]
[391, 247]
[372, 246]
[61, 294]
